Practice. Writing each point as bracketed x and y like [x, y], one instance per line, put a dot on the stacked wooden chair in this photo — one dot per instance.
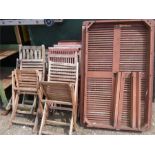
[60, 90]
[66, 48]
[25, 81]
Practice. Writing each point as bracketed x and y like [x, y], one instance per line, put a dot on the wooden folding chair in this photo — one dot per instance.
[24, 82]
[33, 58]
[61, 93]
[69, 45]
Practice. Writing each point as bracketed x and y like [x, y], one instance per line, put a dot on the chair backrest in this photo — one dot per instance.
[61, 77]
[32, 52]
[33, 65]
[63, 58]
[63, 72]
[63, 55]
[32, 57]
[57, 91]
[26, 78]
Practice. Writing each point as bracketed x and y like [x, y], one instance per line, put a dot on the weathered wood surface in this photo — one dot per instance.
[6, 53]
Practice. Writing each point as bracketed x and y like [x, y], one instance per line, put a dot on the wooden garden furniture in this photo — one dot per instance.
[61, 93]
[31, 58]
[24, 82]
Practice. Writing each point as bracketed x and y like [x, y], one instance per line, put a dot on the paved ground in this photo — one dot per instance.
[24, 130]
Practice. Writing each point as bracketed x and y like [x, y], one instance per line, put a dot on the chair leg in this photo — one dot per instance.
[75, 117]
[76, 127]
[35, 128]
[34, 103]
[40, 108]
[43, 118]
[14, 108]
[74, 108]
[23, 100]
[71, 125]
[8, 107]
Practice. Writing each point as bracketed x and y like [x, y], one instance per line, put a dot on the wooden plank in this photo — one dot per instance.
[49, 122]
[138, 85]
[98, 74]
[85, 78]
[61, 109]
[43, 118]
[120, 101]
[56, 102]
[116, 49]
[133, 100]
[23, 123]
[27, 90]
[150, 79]
[6, 53]
[17, 33]
[26, 112]
[24, 106]
[116, 97]
[47, 132]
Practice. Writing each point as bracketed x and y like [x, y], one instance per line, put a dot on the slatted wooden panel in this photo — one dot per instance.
[112, 47]
[33, 58]
[26, 79]
[132, 116]
[126, 102]
[31, 52]
[63, 54]
[62, 50]
[134, 48]
[99, 82]
[143, 100]
[62, 76]
[58, 91]
[33, 65]
[62, 72]
[99, 101]
[100, 47]
[64, 58]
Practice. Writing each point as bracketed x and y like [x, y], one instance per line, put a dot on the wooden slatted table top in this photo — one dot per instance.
[6, 53]
[5, 76]
[6, 82]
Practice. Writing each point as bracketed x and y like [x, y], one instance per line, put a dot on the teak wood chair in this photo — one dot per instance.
[61, 93]
[24, 82]
[31, 58]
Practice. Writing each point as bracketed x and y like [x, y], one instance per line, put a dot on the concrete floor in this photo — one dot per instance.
[24, 130]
